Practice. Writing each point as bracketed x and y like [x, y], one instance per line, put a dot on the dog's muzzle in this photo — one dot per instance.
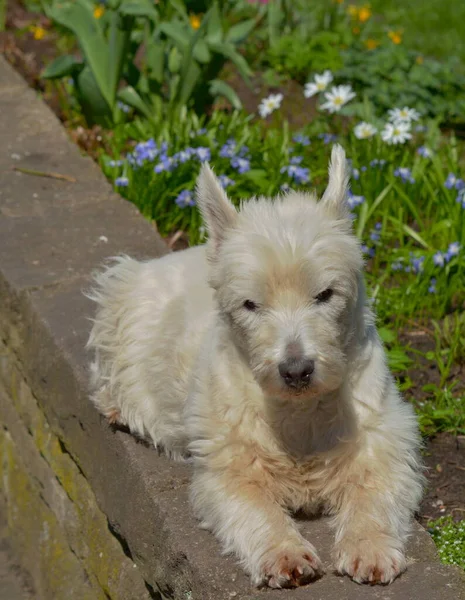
[297, 372]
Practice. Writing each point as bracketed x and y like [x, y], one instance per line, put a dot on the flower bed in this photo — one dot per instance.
[167, 84]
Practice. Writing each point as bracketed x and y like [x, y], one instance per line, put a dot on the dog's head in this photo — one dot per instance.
[287, 275]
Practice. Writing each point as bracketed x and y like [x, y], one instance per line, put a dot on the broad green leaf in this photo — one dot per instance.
[155, 59]
[129, 96]
[228, 51]
[201, 52]
[63, 66]
[239, 32]
[78, 17]
[189, 79]
[214, 29]
[94, 106]
[118, 41]
[177, 32]
[220, 88]
[139, 8]
[174, 60]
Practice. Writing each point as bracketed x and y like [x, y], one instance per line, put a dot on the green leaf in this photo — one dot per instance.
[228, 51]
[177, 32]
[129, 96]
[63, 66]
[201, 52]
[155, 59]
[174, 60]
[94, 106]
[238, 33]
[139, 8]
[214, 29]
[220, 88]
[78, 17]
[118, 40]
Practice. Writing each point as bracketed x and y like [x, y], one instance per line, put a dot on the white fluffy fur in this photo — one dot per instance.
[180, 360]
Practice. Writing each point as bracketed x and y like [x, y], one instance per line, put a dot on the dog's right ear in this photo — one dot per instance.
[218, 212]
[335, 196]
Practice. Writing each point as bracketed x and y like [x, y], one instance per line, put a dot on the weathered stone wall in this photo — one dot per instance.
[92, 513]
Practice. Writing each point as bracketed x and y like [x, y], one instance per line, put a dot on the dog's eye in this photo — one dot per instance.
[324, 296]
[249, 305]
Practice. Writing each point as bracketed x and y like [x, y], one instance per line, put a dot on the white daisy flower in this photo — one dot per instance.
[270, 104]
[320, 83]
[404, 115]
[337, 97]
[396, 133]
[364, 130]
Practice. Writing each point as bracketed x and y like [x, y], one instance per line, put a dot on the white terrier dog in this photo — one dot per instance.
[258, 354]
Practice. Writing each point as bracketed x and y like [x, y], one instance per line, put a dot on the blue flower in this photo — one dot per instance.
[243, 150]
[375, 236]
[432, 286]
[166, 164]
[145, 151]
[366, 250]
[356, 174]
[226, 181]
[327, 137]
[299, 174]
[184, 155]
[123, 107]
[450, 181]
[452, 251]
[304, 140]
[376, 162]
[425, 152]
[417, 264]
[228, 150]
[378, 226]
[115, 163]
[397, 265]
[439, 259]
[203, 153]
[122, 182]
[185, 198]
[241, 164]
[353, 200]
[405, 174]
[296, 160]
[461, 197]
[285, 187]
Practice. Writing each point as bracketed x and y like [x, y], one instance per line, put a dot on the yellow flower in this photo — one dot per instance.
[352, 10]
[195, 21]
[38, 32]
[419, 60]
[395, 37]
[364, 13]
[98, 11]
[371, 44]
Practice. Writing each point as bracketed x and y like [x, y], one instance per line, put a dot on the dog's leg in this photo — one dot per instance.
[374, 505]
[252, 525]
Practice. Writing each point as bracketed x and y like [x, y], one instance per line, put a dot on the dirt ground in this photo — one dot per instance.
[444, 455]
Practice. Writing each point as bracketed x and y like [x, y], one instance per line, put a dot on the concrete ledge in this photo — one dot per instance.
[91, 512]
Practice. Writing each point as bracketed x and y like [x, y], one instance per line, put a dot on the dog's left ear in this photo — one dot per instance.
[218, 212]
[335, 196]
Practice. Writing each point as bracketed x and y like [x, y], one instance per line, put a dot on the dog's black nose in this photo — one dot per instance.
[297, 372]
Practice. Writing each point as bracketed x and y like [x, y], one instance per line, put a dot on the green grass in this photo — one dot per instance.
[449, 537]
[432, 27]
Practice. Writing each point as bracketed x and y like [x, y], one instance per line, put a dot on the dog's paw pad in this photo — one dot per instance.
[369, 561]
[291, 568]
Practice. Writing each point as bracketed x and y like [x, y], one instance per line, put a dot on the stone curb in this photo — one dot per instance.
[60, 461]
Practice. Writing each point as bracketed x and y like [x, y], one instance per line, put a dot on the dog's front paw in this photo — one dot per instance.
[370, 561]
[290, 567]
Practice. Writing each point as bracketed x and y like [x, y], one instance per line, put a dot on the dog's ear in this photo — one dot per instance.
[335, 196]
[218, 212]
